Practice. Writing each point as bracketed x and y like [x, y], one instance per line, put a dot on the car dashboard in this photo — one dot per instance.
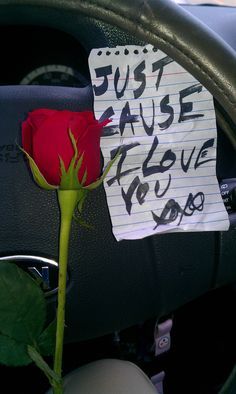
[47, 47]
[42, 55]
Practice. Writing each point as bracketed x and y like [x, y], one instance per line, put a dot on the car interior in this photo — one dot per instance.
[122, 297]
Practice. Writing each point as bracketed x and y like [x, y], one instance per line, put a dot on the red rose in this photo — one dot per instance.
[45, 137]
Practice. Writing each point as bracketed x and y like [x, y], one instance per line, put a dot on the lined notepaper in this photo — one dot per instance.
[163, 122]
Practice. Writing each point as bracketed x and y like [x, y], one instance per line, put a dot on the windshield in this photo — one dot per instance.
[216, 2]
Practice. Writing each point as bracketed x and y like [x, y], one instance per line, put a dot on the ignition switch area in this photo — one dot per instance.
[228, 194]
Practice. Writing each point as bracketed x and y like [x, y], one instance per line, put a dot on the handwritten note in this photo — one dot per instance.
[163, 121]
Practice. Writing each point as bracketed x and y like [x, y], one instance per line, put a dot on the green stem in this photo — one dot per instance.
[68, 200]
[39, 361]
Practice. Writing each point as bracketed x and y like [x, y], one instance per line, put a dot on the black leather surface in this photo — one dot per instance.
[118, 284]
[113, 285]
[168, 26]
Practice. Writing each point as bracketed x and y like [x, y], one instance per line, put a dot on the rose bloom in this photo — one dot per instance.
[45, 137]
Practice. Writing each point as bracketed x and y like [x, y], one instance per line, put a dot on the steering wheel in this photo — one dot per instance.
[112, 286]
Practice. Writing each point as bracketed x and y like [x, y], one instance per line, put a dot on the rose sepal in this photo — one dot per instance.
[99, 181]
[78, 213]
[37, 175]
[69, 178]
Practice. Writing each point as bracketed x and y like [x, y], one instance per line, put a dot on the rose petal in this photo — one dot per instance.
[45, 136]
[89, 145]
[50, 142]
[38, 116]
[27, 136]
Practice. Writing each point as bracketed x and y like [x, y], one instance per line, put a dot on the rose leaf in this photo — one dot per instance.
[22, 305]
[46, 341]
[13, 353]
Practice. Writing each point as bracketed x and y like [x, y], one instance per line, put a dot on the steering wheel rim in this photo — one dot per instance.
[177, 33]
